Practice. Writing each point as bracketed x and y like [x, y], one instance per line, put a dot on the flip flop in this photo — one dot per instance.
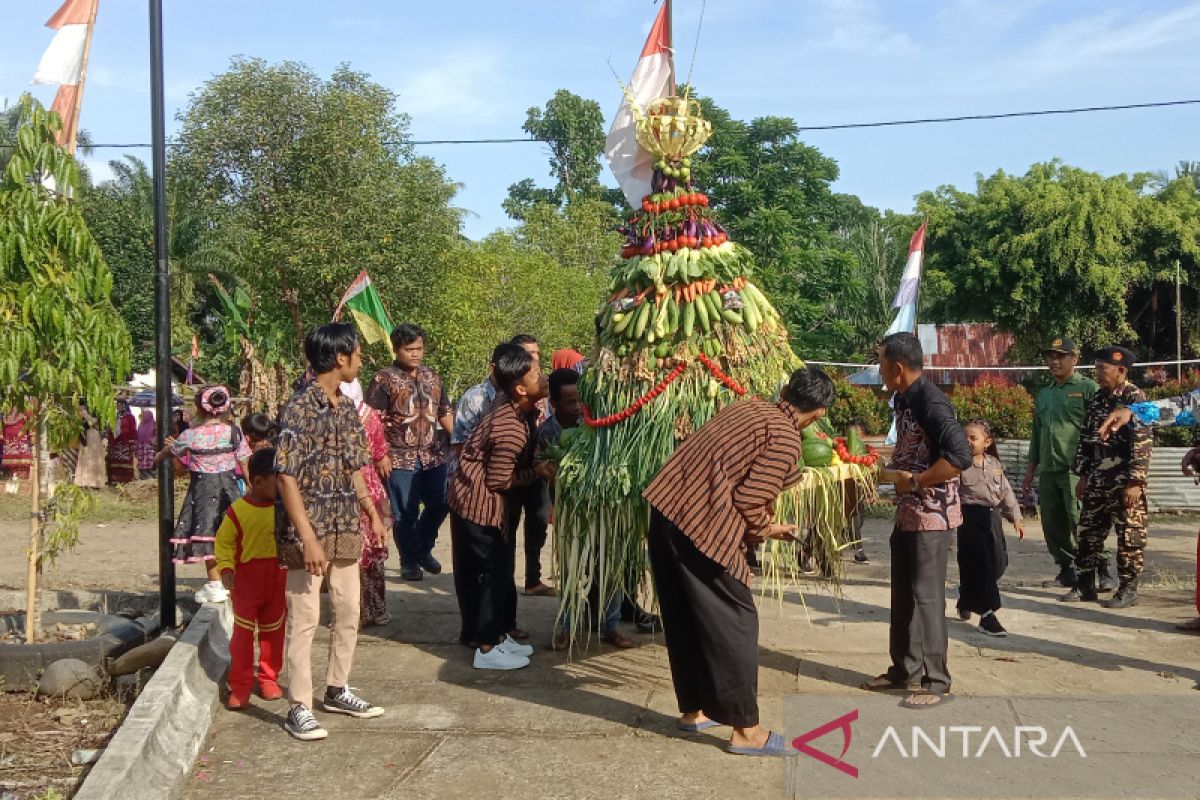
[776, 746]
[696, 727]
[945, 698]
[882, 683]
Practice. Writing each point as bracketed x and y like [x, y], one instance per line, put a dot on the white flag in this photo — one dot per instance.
[633, 166]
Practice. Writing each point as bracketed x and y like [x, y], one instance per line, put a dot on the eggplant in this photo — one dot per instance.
[648, 244]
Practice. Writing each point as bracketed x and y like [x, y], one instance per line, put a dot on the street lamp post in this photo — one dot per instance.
[162, 323]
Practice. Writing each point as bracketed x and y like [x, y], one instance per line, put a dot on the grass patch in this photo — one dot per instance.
[111, 506]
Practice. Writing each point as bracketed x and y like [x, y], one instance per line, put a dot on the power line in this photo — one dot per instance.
[836, 127]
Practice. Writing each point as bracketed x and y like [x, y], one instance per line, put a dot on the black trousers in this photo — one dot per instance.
[711, 628]
[917, 635]
[487, 597]
[535, 502]
[982, 559]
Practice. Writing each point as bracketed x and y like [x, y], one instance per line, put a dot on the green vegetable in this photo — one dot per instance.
[817, 452]
[855, 445]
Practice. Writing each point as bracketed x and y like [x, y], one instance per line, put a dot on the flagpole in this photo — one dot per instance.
[671, 46]
[87, 51]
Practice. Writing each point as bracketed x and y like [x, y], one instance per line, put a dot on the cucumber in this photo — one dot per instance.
[689, 320]
[732, 317]
[621, 320]
[713, 300]
[702, 314]
[662, 350]
[638, 328]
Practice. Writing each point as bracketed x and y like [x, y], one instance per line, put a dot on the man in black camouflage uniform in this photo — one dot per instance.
[1112, 483]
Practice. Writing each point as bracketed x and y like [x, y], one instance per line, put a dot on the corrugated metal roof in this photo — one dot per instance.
[1167, 489]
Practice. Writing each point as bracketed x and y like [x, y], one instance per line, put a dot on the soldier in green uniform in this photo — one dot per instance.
[1112, 483]
[1057, 418]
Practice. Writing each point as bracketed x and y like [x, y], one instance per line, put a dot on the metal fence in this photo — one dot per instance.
[1166, 490]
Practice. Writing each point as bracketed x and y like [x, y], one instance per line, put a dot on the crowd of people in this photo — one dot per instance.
[280, 508]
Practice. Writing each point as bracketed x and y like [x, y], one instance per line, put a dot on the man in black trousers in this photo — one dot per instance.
[931, 451]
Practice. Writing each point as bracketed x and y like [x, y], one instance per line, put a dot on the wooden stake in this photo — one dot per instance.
[32, 617]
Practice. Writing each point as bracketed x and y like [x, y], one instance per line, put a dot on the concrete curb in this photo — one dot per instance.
[156, 745]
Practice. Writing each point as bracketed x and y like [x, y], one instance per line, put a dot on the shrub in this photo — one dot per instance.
[1174, 437]
[857, 403]
[1008, 408]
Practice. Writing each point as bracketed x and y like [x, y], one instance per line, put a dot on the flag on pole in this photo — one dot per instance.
[633, 166]
[367, 309]
[910, 281]
[63, 61]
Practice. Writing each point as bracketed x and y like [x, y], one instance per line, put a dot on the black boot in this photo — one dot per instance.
[1066, 577]
[1107, 582]
[1084, 589]
[1125, 597]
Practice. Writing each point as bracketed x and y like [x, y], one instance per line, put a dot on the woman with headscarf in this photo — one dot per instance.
[145, 444]
[375, 551]
[122, 446]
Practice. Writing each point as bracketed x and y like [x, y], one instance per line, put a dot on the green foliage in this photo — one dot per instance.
[858, 404]
[773, 193]
[61, 340]
[307, 181]
[1008, 408]
[1040, 254]
[489, 291]
[573, 129]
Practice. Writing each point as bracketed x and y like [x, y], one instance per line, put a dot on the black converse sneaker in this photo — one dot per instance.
[991, 626]
[303, 725]
[343, 701]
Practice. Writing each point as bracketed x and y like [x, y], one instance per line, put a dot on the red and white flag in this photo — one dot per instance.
[633, 166]
[910, 282]
[63, 61]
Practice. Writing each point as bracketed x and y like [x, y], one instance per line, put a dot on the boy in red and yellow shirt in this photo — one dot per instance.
[249, 568]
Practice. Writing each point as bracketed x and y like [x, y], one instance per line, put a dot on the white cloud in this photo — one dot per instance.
[1097, 42]
[467, 85]
[855, 26]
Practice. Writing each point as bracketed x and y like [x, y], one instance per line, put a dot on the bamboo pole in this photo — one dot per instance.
[32, 617]
[87, 50]
[1178, 326]
[671, 47]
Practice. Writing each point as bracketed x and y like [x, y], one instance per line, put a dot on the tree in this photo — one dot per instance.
[309, 181]
[773, 192]
[62, 343]
[120, 214]
[489, 291]
[573, 129]
[1042, 255]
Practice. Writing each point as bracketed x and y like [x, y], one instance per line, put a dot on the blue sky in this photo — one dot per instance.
[467, 69]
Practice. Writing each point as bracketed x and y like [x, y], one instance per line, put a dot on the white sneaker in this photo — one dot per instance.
[511, 645]
[211, 593]
[497, 658]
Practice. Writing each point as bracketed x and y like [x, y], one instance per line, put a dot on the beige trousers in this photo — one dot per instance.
[304, 612]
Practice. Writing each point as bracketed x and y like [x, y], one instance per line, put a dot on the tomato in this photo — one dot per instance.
[673, 245]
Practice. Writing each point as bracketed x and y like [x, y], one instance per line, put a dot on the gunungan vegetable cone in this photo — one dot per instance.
[683, 332]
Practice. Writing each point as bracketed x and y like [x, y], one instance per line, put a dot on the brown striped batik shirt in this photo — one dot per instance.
[496, 458]
[720, 486]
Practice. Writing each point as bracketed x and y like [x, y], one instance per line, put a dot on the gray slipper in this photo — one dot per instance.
[945, 698]
[775, 746]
